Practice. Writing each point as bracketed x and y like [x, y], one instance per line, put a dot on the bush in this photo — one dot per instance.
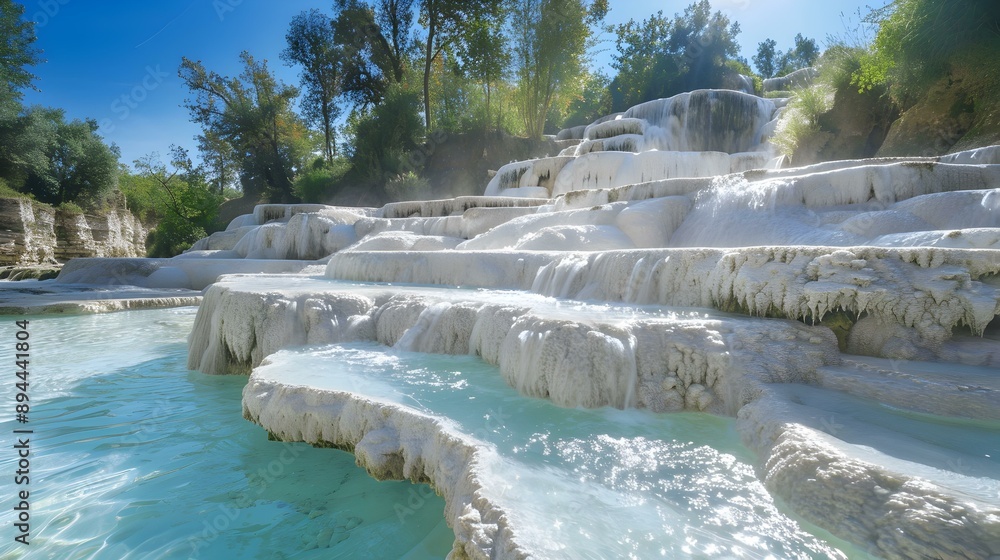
[407, 186]
[70, 208]
[916, 40]
[172, 236]
[384, 136]
[799, 136]
[175, 232]
[838, 65]
[319, 184]
[7, 192]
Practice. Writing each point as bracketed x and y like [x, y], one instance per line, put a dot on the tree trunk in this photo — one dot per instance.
[428, 56]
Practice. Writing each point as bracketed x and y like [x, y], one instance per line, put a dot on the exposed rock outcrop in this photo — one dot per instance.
[32, 234]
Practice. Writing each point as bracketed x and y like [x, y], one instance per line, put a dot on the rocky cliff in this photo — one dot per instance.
[35, 234]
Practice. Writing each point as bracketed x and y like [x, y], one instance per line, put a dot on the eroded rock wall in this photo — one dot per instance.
[34, 234]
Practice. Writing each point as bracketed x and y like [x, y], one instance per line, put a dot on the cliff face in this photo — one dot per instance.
[34, 234]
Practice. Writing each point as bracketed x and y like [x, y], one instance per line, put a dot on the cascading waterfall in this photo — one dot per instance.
[839, 312]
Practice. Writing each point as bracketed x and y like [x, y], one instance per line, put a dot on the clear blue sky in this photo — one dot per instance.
[116, 61]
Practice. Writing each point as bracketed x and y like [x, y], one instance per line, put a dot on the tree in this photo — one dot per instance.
[592, 102]
[447, 22]
[311, 44]
[765, 59]
[384, 135]
[663, 57]
[803, 55]
[485, 57]
[84, 167]
[551, 39]
[57, 161]
[221, 164]
[374, 46]
[17, 52]
[646, 63]
[177, 197]
[253, 113]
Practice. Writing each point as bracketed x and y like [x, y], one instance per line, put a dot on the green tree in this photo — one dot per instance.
[592, 102]
[221, 163]
[766, 58]
[662, 57]
[447, 24]
[374, 46]
[485, 57]
[550, 43]
[253, 113]
[57, 161]
[803, 55]
[17, 53]
[385, 135]
[647, 65]
[177, 197]
[311, 44]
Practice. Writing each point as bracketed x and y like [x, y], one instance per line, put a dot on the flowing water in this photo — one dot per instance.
[134, 456]
[578, 483]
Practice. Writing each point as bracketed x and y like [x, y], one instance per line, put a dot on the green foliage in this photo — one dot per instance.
[179, 198]
[661, 57]
[385, 135]
[320, 183]
[7, 192]
[312, 45]
[406, 186]
[766, 58]
[373, 46]
[141, 195]
[799, 128]
[172, 236]
[770, 62]
[803, 55]
[57, 161]
[550, 42]
[253, 114]
[484, 59]
[591, 102]
[447, 23]
[838, 64]
[17, 51]
[70, 208]
[916, 40]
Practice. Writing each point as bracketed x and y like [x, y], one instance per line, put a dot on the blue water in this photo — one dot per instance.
[134, 456]
[578, 483]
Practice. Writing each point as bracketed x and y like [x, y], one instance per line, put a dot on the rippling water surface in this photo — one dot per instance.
[594, 484]
[133, 456]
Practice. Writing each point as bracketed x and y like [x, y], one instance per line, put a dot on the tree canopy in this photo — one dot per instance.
[312, 45]
[17, 52]
[661, 56]
[253, 113]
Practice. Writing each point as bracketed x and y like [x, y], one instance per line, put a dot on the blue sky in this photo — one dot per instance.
[116, 61]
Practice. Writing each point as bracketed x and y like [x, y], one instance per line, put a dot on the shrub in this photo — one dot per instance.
[407, 186]
[172, 236]
[383, 136]
[70, 208]
[7, 192]
[916, 40]
[799, 135]
[319, 184]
